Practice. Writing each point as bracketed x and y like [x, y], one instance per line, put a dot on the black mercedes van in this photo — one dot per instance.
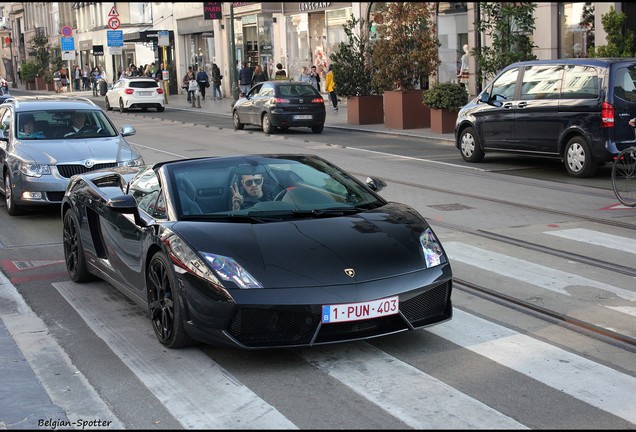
[573, 109]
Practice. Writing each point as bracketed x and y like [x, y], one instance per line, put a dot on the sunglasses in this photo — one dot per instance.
[250, 182]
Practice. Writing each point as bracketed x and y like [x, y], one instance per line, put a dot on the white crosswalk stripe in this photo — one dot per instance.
[522, 270]
[597, 238]
[187, 382]
[598, 385]
[389, 383]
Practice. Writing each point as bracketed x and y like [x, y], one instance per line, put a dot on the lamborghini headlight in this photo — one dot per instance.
[433, 253]
[229, 270]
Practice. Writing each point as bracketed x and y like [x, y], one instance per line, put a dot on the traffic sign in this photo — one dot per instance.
[68, 43]
[115, 38]
[113, 12]
[67, 31]
[113, 23]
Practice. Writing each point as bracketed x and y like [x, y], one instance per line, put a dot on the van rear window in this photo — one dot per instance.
[580, 82]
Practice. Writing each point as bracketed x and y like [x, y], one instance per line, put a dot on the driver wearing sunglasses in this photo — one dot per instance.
[253, 186]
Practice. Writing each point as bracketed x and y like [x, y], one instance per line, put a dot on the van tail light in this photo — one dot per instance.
[607, 115]
[276, 100]
[129, 91]
[159, 90]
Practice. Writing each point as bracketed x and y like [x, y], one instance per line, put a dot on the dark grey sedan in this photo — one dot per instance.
[280, 104]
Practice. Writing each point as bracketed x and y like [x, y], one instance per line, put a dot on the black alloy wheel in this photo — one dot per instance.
[164, 305]
[73, 250]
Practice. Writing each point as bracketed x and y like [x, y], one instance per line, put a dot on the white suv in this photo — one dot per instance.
[135, 92]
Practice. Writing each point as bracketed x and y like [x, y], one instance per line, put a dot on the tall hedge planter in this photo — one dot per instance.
[443, 121]
[404, 110]
[362, 110]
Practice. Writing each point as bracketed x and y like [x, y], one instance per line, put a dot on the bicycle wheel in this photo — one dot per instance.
[624, 177]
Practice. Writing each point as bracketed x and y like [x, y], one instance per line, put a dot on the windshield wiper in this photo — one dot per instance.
[329, 212]
[240, 218]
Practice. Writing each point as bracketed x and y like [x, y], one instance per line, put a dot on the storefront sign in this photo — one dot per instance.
[309, 6]
[98, 50]
[212, 10]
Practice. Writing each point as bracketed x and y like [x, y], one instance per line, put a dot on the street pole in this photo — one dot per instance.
[233, 77]
[165, 82]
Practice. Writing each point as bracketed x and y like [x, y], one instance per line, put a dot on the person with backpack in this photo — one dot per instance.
[203, 80]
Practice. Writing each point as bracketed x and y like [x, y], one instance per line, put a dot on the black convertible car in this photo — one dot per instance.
[257, 251]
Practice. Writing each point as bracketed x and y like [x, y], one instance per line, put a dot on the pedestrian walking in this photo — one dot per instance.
[330, 87]
[86, 82]
[203, 80]
[216, 82]
[77, 77]
[189, 76]
[304, 75]
[57, 81]
[245, 78]
[259, 75]
[314, 78]
[280, 72]
[95, 74]
[195, 93]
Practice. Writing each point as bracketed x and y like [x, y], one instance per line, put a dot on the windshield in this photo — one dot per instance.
[268, 188]
[63, 124]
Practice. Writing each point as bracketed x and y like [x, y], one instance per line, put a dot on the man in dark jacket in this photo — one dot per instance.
[245, 78]
[203, 80]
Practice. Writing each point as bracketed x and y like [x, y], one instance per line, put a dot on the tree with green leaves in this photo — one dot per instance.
[40, 50]
[620, 39]
[508, 26]
[406, 51]
[352, 61]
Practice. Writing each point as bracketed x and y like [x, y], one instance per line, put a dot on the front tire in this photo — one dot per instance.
[73, 249]
[164, 304]
[12, 208]
[236, 121]
[578, 158]
[624, 177]
[469, 146]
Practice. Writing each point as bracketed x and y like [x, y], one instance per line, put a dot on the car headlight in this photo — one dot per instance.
[229, 270]
[131, 163]
[224, 268]
[433, 253]
[33, 169]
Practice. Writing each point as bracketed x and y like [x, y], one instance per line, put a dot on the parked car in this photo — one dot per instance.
[280, 104]
[135, 92]
[41, 150]
[324, 260]
[573, 109]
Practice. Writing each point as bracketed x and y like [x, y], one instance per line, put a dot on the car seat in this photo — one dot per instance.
[187, 197]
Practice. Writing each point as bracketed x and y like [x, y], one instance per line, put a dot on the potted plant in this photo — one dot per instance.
[352, 69]
[404, 55]
[29, 71]
[444, 100]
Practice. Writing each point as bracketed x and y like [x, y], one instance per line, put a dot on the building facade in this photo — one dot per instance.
[294, 34]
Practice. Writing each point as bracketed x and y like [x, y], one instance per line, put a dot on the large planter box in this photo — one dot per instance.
[363, 110]
[405, 110]
[443, 121]
[40, 84]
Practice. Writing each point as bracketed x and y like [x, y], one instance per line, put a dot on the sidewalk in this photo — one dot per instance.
[335, 119]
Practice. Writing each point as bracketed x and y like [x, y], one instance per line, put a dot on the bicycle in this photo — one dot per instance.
[624, 176]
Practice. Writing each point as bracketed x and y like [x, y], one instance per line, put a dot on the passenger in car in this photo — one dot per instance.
[27, 130]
